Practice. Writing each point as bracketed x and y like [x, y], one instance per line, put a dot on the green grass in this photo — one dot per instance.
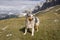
[49, 28]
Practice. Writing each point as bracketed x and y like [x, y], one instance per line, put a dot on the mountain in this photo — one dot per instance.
[49, 28]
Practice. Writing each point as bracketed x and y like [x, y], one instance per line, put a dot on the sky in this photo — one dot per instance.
[19, 0]
[20, 4]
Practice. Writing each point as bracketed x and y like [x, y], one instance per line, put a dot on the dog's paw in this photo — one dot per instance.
[32, 35]
[24, 33]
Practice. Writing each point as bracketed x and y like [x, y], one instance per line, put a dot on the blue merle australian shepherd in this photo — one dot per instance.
[31, 22]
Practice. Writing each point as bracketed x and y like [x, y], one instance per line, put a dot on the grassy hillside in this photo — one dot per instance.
[49, 28]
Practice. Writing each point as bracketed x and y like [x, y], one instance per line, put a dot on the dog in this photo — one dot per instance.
[31, 22]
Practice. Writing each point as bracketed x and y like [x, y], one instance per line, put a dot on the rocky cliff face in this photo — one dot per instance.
[50, 3]
[53, 1]
[47, 4]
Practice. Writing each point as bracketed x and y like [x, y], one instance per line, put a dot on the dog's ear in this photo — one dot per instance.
[33, 14]
[26, 15]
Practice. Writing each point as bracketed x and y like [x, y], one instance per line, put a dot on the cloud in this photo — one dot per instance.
[19, 4]
[19, 0]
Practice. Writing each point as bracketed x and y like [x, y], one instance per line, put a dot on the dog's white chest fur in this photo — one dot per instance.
[30, 24]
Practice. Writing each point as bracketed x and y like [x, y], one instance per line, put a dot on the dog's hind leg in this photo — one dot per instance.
[36, 27]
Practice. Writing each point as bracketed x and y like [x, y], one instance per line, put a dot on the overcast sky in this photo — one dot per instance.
[20, 4]
[19, 0]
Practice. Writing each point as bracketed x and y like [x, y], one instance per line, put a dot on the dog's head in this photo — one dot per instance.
[29, 16]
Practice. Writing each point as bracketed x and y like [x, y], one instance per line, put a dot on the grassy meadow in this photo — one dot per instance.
[49, 28]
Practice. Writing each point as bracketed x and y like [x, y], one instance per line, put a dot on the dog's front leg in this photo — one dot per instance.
[25, 31]
[32, 31]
